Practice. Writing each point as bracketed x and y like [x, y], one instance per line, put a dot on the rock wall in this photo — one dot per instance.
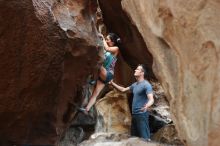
[48, 48]
[183, 37]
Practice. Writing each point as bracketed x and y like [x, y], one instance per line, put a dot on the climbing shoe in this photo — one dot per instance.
[92, 82]
[83, 110]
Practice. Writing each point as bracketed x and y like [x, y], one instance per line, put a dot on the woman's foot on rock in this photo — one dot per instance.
[83, 110]
[92, 82]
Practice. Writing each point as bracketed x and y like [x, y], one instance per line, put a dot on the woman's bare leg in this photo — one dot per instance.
[98, 88]
[102, 73]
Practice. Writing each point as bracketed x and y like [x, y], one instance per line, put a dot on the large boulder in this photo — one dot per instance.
[48, 48]
[113, 113]
[183, 37]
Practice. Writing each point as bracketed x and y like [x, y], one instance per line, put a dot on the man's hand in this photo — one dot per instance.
[150, 102]
[145, 108]
[120, 88]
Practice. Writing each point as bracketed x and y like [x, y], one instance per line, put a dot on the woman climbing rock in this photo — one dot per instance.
[106, 72]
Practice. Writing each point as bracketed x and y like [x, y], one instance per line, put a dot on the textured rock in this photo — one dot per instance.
[167, 135]
[160, 111]
[48, 48]
[114, 114]
[113, 139]
[72, 137]
[183, 37]
[161, 107]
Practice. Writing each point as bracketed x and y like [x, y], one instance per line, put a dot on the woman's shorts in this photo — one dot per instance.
[109, 77]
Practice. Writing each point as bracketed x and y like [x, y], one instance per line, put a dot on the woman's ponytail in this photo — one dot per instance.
[115, 38]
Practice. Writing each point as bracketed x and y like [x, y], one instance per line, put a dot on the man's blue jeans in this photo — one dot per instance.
[140, 125]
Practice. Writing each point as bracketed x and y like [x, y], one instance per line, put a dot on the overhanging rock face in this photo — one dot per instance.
[48, 48]
[183, 37]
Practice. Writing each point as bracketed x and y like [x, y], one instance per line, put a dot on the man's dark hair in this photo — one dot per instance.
[143, 69]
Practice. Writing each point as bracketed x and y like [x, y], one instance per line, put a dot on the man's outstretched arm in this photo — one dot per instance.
[120, 88]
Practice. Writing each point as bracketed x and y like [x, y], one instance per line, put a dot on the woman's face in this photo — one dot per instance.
[109, 41]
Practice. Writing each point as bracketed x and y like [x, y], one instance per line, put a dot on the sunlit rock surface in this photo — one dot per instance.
[112, 139]
[183, 37]
[113, 113]
[48, 48]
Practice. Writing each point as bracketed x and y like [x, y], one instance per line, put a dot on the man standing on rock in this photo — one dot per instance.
[142, 100]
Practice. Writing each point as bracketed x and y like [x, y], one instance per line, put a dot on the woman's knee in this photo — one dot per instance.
[103, 70]
[103, 73]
